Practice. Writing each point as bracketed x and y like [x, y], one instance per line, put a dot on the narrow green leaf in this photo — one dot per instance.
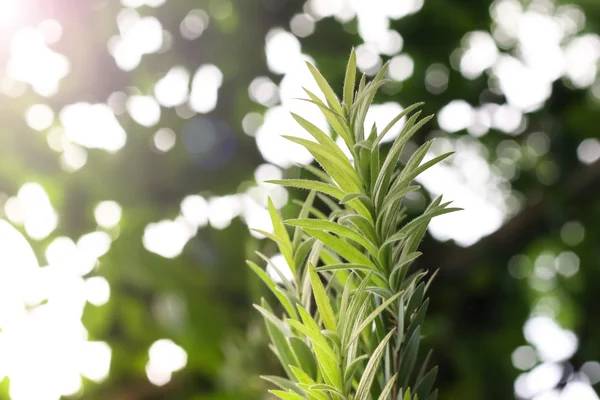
[350, 80]
[325, 88]
[286, 395]
[364, 386]
[322, 300]
[304, 356]
[304, 211]
[339, 169]
[282, 383]
[321, 137]
[388, 388]
[337, 122]
[311, 185]
[367, 321]
[285, 245]
[285, 302]
[426, 384]
[336, 228]
[409, 356]
[344, 249]
[393, 122]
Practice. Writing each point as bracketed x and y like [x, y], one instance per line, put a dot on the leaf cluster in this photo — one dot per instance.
[349, 326]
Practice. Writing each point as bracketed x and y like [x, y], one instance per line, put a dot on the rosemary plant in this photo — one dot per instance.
[349, 325]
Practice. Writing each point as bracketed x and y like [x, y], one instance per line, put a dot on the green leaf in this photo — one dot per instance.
[283, 383]
[337, 122]
[304, 356]
[304, 211]
[322, 300]
[350, 80]
[393, 122]
[285, 302]
[389, 164]
[338, 168]
[322, 138]
[388, 388]
[326, 89]
[353, 367]
[302, 252]
[311, 185]
[364, 386]
[286, 395]
[338, 229]
[284, 352]
[362, 225]
[351, 196]
[288, 285]
[409, 356]
[367, 321]
[283, 239]
[426, 384]
[342, 248]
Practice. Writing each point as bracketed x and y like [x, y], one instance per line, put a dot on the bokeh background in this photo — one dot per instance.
[136, 136]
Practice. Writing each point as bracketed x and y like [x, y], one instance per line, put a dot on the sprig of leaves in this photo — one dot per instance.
[349, 326]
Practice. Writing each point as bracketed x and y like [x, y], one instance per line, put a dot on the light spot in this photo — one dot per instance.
[541, 379]
[567, 263]
[588, 151]
[592, 370]
[280, 265]
[63, 254]
[195, 210]
[172, 89]
[382, 115]
[456, 116]
[95, 244]
[507, 119]
[436, 78]
[367, 59]
[144, 110]
[302, 25]
[263, 91]
[73, 157]
[139, 36]
[251, 123]
[194, 24]
[167, 238]
[108, 213]
[222, 210]
[572, 233]
[51, 30]
[265, 172]
[39, 117]
[401, 67]
[93, 126]
[40, 218]
[32, 62]
[205, 87]
[97, 290]
[582, 55]
[524, 88]
[480, 54]
[164, 139]
[553, 343]
[165, 357]
[283, 51]
[95, 360]
[577, 390]
[524, 358]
